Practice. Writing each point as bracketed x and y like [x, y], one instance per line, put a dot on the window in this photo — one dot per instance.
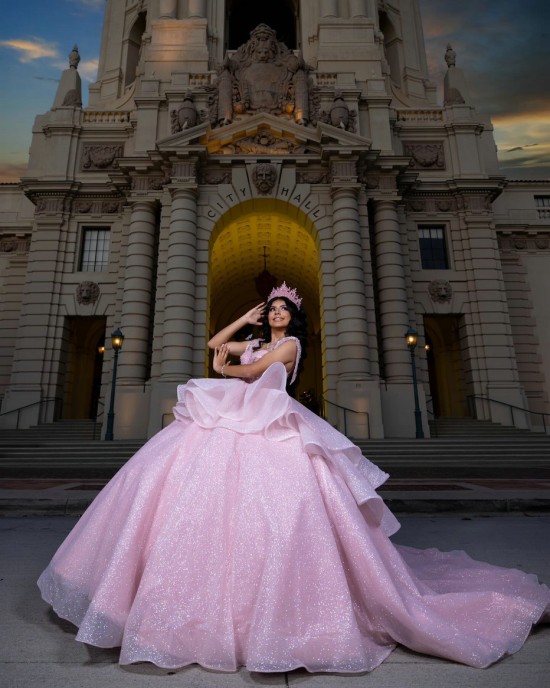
[543, 207]
[433, 252]
[95, 249]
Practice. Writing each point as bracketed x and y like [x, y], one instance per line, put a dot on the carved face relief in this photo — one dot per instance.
[440, 291]
[87, 293]
[264, 177]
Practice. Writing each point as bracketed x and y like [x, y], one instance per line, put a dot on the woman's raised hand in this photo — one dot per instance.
[254, 315]
[220, 357]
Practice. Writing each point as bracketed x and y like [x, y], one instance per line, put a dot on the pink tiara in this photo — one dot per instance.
[290, 294]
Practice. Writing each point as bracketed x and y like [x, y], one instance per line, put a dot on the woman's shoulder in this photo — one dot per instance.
[287, 339]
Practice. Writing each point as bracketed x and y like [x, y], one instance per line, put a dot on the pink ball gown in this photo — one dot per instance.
[249, 533]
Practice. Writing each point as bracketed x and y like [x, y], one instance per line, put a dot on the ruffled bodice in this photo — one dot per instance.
[254, 352]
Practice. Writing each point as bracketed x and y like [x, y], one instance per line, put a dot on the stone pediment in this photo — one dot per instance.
[264, 134]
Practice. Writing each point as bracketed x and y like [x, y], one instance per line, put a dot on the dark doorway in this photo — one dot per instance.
[244, 15]
[445, 369]
[85, 343]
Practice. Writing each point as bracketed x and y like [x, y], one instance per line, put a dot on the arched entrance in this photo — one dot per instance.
[266, 235]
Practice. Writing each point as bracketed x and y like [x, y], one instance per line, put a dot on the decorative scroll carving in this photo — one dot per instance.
[53, 204]
[216, 177]
[87, 293]
[83, 206]
[101, 157]
[111, 206]
[321, 177]
[440, 291]
[433, 204]
[525, 242]
[15, 244]
[264, 176]
[425, 155]
[262, 76]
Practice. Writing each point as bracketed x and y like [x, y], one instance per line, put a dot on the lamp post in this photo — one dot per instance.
[116, 341]
[411, 337]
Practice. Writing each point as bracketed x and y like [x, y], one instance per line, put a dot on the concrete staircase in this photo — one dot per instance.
[64, 449]
[462, 448]
[465, 448]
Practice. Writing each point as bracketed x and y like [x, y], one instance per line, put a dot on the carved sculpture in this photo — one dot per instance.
[425, 155]
[263, 76]
[87, 293]
[440, 291]
[100, 157]
[187, 116]
[264, 177]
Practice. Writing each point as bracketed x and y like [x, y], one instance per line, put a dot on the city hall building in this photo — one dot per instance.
[232, 144]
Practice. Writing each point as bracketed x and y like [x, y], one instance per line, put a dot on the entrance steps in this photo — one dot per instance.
[461, 426]
[462, 448]
[60, 429]
[64, 450]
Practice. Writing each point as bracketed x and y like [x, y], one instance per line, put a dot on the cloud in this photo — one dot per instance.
[11, 173]
[32, 49]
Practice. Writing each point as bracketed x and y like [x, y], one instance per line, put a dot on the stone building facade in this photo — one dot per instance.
[228, 143]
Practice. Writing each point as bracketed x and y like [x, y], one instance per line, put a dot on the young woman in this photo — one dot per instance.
[249, 533]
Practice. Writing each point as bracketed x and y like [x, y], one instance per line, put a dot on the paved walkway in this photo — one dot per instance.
[39, 650]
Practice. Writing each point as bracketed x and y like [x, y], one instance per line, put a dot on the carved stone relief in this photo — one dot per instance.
[264, 176]
[312, 177]
[216, 177]
[87, 293]
[263, 143]
[100, 157]
[425, 155]
[262, 76]
[534, 243]
[339, 114]
[53, 205]
[14, 244]
[435, 205]
[440, 291]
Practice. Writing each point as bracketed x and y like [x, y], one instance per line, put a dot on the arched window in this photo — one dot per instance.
[242, 16]
[134, 44]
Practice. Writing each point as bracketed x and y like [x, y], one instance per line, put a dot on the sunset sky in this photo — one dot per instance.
[503, 46]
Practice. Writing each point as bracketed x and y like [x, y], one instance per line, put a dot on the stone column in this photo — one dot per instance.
[329, 8]
[138, 291]
[358, 8]
[179, 302]
[392, 292]
[197, 8]
[356, 390]
[168, 9]
[349, 285]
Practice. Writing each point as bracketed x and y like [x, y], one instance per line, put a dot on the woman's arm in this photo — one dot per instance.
[252, 317]
[285, 353]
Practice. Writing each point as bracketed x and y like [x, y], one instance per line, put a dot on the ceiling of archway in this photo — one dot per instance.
[237, 258]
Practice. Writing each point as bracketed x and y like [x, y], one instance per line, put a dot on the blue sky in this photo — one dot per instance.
[503, 46]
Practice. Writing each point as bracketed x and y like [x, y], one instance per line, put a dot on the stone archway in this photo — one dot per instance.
[236, 258]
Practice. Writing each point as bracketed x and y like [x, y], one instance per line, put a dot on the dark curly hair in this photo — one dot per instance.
[296, 328]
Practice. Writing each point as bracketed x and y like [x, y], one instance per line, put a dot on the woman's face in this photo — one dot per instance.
[279, 315]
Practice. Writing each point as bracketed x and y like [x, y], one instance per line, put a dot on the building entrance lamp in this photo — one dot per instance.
[117, 338]
[411, 337]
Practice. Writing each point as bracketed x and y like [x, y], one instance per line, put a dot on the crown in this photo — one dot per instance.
[290, 294]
